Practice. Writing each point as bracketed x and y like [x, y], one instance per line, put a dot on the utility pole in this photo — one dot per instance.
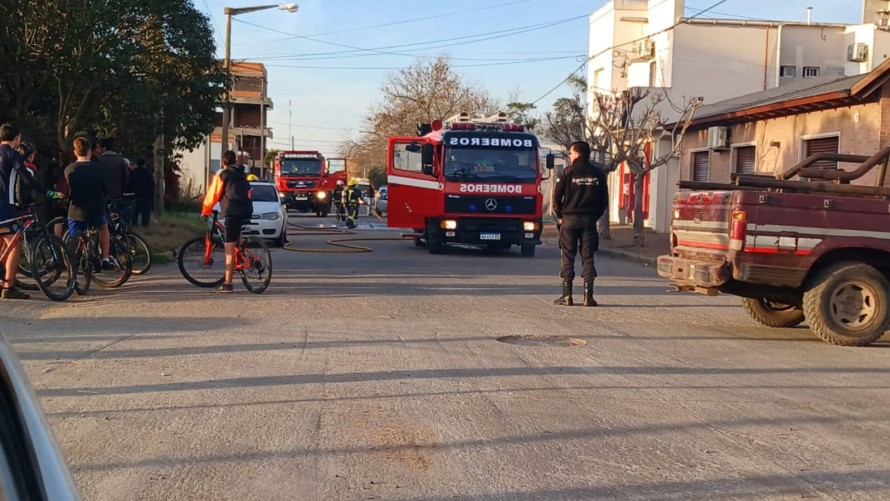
[290, 122]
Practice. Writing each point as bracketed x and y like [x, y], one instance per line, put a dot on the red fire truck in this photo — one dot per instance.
[471, 181]
[301, 177]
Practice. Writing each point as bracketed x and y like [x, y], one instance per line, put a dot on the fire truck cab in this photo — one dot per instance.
[300, 177]
[469, 181]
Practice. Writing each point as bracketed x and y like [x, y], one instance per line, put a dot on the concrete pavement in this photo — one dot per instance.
[380, 376]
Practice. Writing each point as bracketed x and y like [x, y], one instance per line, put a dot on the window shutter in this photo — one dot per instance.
[745, 160]
[700, 167]
[823, 145]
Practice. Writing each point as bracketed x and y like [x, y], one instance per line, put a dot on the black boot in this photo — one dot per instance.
[588, 294]
[566, 298]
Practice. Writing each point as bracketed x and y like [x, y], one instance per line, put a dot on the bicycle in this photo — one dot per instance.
[89, 261]
[50, 263]
[120, 215]
[202, 260]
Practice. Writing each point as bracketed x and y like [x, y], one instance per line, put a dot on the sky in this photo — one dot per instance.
[323, 80]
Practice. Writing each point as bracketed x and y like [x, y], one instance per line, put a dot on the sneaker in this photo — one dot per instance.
[224, 289]
[14, 294]
[106, 264]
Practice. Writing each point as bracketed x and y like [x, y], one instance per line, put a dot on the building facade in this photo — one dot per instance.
[650, 43]
[248, 130]
[769, 132]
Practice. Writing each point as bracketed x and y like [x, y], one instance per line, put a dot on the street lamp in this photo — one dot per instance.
[229, 12]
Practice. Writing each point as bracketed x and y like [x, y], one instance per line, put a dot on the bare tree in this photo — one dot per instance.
[425, 91]
[633, 125]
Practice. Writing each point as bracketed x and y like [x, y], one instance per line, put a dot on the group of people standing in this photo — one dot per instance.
[79, 192]
[346, 202]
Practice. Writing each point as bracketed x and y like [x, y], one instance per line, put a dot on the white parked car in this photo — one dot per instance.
[382, 200]
[269, 219]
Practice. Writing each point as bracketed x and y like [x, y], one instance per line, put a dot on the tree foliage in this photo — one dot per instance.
[130, 69]
[427, 90]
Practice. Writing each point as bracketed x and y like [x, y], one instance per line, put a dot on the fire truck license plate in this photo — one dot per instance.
[301, 197]
[489, 236]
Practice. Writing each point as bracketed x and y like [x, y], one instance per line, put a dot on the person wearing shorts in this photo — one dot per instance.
[231, 189]
[87, 191]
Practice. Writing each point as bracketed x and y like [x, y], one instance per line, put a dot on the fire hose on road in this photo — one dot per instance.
[344, 245]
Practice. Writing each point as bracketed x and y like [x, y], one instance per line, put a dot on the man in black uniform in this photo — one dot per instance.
[579, 200]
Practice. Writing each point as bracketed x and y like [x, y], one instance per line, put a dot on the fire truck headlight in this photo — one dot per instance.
[529, 226]
[449, 224]
[270, 216]
[321, 195]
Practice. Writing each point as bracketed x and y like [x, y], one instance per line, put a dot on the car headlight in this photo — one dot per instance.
[270, 216]
[321, 195]
[529, 226]
[448, 224]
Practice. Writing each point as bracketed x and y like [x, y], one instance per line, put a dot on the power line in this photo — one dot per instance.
[313, 126]
[669, 28]
[693, 9]
[480, 37]
[394, 23]
[394, 68]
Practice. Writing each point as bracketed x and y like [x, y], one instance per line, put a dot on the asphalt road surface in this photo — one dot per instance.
[381, 376]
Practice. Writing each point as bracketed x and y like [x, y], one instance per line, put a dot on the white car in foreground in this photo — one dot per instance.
[269, 219]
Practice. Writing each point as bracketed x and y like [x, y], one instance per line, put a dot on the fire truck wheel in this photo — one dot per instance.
[773, 314]
[846, 304]
[528, 250]
[418, 242]
[434, 246]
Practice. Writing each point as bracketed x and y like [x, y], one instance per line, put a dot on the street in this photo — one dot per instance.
[383, 375]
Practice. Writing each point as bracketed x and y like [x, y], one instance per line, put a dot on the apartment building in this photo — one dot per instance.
[654, 44]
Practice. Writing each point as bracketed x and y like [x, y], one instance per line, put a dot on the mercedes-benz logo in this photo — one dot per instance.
[491, 204]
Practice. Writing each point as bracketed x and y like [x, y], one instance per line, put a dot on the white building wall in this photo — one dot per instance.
[194, 165]
[822, 47]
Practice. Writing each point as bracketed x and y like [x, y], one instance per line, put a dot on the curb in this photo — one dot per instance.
[616, 254]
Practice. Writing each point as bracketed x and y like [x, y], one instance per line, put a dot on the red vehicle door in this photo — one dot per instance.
[413, 195]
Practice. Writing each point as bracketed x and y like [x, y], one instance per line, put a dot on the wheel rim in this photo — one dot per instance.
[854, 305]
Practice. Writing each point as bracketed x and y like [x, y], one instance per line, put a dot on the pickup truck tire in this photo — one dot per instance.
[773, 314]
[846, 304]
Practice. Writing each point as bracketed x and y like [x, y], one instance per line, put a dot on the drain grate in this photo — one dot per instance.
[542, 340]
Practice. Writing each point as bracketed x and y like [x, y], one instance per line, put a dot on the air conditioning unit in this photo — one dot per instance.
[646, 49]
[718, 138]
[857, 52]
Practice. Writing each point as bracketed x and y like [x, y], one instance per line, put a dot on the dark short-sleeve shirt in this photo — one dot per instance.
[11, 163]
[87, 190]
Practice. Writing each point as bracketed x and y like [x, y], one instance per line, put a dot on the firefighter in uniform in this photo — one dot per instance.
[352, 197]
[337, 197]
[579, 200]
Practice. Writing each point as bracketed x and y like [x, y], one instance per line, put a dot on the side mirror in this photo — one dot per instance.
[427, 155]
[551, 160]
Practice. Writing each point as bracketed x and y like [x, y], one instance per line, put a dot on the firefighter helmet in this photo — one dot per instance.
[339, 183]
[252, 177]
[353, 182]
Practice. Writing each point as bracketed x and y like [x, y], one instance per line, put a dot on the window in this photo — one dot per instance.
[788, 71]
[701, 164]
[402, 159]
[598, 80]
[810, 71]
[823, 145]
[653, 73]
[745, 160]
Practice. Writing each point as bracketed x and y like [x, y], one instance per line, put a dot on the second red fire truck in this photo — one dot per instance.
[307, 179]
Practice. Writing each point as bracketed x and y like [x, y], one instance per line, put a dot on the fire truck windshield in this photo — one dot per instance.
[504, 165]
[300, 167]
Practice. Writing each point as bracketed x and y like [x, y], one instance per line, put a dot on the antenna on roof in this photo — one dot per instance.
[809, 15]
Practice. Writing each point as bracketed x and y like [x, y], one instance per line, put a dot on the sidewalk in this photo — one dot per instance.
[620, 246]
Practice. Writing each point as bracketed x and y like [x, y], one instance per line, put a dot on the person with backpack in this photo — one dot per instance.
[12, 171]
[231, 189]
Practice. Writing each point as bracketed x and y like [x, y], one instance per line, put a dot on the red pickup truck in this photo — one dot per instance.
[815, 248]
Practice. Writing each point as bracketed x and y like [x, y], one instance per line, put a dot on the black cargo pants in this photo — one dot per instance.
[578, 230]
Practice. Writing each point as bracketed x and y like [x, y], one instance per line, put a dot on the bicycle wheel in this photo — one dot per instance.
[121, 266]
[24, 279]
[53, 267]
[84, 269]
[202, 265]
[140, 254]
[256, 265]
